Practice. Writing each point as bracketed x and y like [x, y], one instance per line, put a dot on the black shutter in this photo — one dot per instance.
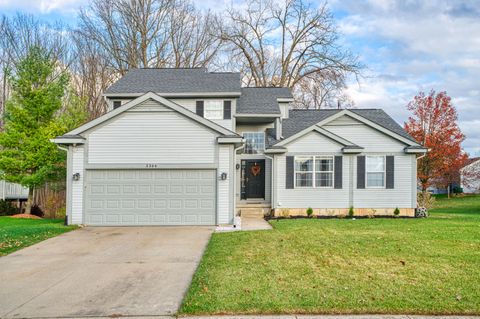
[360, 172]
[227, 110]
[390, 172]
[338, 176]
[117, 104]
[289, 172]
[200, 108]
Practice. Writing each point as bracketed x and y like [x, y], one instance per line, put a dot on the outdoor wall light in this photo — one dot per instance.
[223, 176]
[76, 176]
[237, 166]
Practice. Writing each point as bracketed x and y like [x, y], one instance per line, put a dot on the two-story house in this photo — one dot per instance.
[192, 147]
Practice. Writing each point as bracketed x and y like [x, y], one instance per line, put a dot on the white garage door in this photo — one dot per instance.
[150, 197]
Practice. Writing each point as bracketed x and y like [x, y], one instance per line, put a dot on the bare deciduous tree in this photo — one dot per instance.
[281, 45]
[91, 76]
[150, 33]
[321, 89]
[193, 36]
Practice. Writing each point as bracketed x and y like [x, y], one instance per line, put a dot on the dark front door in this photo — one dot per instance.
[255, 179]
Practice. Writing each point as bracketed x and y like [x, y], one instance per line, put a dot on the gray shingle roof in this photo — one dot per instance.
[197, 80]
[301, 119]
[256, 100]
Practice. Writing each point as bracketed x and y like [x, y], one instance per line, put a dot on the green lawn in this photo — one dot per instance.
[422, 266]
[16, 233]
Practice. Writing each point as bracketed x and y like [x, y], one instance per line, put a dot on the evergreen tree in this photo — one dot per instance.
[33, 116]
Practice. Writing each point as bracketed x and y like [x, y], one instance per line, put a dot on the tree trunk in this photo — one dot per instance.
[28, 206]
[448, 191]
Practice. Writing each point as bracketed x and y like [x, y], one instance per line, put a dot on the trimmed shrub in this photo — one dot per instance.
[37, 211]
[351, 212]
[7, 208]
[309, 211]
[396, 212]
[457, 190]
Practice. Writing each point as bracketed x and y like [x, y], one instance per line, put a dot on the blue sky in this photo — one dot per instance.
[407, 45]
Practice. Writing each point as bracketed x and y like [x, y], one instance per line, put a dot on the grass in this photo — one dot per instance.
[395, 266]
[17, 233]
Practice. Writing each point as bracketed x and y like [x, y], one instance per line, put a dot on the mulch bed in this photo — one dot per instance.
[27, 216]
[336, 217]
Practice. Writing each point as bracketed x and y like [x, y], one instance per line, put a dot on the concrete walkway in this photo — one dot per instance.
[255, 223]
[306, 317]
[102, 271]
[335, 317]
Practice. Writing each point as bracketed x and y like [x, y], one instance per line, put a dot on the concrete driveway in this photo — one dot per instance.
[100, 271]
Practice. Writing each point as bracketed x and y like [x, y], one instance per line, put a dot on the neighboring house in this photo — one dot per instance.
[191, 147]
[470, 176]
[12, 191]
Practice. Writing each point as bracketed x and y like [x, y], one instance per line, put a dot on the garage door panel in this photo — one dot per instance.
[150, 197]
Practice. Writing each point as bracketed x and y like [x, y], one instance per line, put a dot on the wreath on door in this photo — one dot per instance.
[256, 169]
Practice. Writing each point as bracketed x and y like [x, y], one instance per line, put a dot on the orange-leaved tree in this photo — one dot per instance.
[434, 125]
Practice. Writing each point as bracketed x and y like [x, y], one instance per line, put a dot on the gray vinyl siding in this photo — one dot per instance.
[151, 137]
[400, 196]
[78, 166]
[150, 106]
[310, 141]
[225, 187]
[370, 139]
[375, 143]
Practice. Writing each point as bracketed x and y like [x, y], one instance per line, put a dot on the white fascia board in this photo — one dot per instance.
[183, 94]
[150, 95]
[333, 136]
[257, 115]
[369, 123]
[230, 140]
[285, 100]
[66, 141]
[275, 150]
[416, 150]
[318, 129]
[352, 150]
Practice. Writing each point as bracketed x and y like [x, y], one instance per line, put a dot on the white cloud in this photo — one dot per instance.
[416, 45]
[42, 6]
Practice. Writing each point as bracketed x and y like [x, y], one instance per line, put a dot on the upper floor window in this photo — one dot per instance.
[375, 170]
[254, 142]
[213, 109]
[314, 171]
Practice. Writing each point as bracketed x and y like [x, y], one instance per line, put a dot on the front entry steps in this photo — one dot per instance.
[252, 216]
[253, 210]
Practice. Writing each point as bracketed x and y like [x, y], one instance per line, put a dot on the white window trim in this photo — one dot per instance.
[314, 171]
[212, 104]
[384, 172]
[262, 150]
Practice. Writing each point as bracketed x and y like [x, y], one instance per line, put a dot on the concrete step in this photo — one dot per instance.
[254, 212]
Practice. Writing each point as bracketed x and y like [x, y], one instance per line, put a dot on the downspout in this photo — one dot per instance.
[66, 150]
[272, 200]
[235, 182]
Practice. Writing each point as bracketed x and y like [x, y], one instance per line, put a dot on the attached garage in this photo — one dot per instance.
[150, 197]
[150, 162]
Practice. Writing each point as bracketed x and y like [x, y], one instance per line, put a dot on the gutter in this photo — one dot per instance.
[235, 182]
